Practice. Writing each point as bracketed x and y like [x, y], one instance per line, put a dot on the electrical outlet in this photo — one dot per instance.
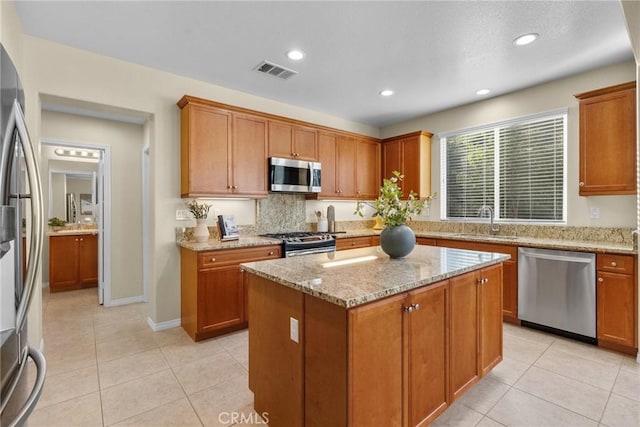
[183, 214]
[595, 213]
[293, 329]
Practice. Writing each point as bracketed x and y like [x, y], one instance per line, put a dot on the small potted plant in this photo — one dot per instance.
[397, 239]
[56, 223]
[200, 212]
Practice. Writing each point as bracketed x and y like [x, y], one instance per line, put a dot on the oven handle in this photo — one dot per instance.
[310, 251]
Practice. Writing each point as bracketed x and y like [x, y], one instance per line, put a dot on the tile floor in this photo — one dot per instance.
[107, 367]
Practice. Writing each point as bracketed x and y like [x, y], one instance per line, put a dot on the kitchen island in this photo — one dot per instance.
[355, 338]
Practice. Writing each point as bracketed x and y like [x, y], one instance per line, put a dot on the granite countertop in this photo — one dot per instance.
[242, 242]
[531, 242]
[371, 275]
[77, 232]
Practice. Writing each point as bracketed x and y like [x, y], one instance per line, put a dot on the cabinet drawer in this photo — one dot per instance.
[615, 263]
[353, 243]
[236, 256]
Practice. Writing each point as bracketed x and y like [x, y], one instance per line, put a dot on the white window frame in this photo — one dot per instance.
[496, 126]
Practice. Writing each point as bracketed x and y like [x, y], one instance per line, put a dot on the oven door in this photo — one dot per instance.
[313, 251]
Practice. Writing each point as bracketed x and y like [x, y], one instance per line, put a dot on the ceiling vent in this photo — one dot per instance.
[275, 70]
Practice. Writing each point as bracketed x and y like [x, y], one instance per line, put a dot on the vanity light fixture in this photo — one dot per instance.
[386, 92]
[295, 55]
[525, 39]
[483, 92]
[87, 154]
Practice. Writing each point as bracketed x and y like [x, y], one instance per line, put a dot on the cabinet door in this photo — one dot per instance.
[205, 142]
[220, 298]
[88, 260]
[280, 140]
[608, 143]
[367, 169]
[63, 262]
[391, 158]
[249, 156]
[411, 165]
[428, 359]
[490, 318]
[353, 243]
[327, 156]
[346, 176]
[510, 291]
[616, 313]
[305, 143]
[375, 383]
[463, 338]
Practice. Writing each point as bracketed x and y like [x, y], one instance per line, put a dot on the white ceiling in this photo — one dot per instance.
[433, 54]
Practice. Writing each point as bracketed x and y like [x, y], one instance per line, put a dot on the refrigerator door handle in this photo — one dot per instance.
[36, 391]
[17, 122]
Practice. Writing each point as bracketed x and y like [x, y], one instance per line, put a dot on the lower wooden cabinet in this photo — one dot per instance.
[212, 289]
[73, 262]
[356, 242]
[476, 327]
[616, 290]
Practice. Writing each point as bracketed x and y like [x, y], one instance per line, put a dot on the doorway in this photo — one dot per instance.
[78, 181]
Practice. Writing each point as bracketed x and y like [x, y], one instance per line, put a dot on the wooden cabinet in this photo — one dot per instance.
[608, 140]
[616, 291]
[475, 327]
[73, 262]
[213, 294]
[426, 241]
[292, 141]
[350, 167]
[510, 273]
[356, 242]
[409, 154]
[223, 153]
[367, 169]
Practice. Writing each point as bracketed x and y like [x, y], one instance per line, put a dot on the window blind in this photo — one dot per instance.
[515, 167]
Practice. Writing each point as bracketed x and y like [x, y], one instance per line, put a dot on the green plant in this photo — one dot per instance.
[199, 210]
[389, 205]
[57, 222]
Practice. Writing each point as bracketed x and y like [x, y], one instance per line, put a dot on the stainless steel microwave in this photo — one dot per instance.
[294, 176]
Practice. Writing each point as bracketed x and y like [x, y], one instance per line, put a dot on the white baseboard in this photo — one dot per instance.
[161, 326]
[124, 301]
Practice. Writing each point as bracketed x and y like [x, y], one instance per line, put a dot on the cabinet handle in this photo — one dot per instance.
[408, 309]
[228, 187]
[581, 184]
[213, 260]
[416, 306]
[485, 280]
[76, 240]
[353, 243]
[600, 279]
[81, 239]
[614, 264]
[271, 253]
[235, 187]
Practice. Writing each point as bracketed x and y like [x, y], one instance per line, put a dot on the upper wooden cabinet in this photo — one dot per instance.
[350, 167]
[409, 154]
[292, 142]
[223, 153]
[608, 140]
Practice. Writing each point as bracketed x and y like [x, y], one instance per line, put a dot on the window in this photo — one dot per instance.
[516, 167]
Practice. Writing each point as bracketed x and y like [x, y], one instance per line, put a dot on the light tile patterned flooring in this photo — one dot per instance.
[107, 367]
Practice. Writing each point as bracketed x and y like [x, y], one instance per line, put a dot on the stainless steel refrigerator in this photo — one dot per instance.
[21, 234]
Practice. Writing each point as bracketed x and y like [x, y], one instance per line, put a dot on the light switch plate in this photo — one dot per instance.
[595, 213]
[293, 329]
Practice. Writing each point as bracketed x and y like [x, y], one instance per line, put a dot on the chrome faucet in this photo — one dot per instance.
[493, 228]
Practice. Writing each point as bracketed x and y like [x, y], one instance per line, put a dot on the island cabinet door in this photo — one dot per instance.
[375, 363]
[490, 318]
[427, 355]
[463, 312]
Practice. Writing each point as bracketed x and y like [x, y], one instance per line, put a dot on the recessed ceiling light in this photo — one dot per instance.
[295, 55]
[525, 39]
[386, 92]
[483, 92]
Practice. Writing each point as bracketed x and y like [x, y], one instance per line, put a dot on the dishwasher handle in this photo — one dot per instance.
[539, 255]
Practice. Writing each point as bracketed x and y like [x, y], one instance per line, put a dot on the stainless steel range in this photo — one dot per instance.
[304, 243]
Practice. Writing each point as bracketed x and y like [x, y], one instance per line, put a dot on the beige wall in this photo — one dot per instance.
[56, 70]
[615, 211]
[125, 141]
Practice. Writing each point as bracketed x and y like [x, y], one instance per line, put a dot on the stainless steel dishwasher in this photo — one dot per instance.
[557, 291]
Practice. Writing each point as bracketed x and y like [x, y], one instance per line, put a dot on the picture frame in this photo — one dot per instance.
[86, 204]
